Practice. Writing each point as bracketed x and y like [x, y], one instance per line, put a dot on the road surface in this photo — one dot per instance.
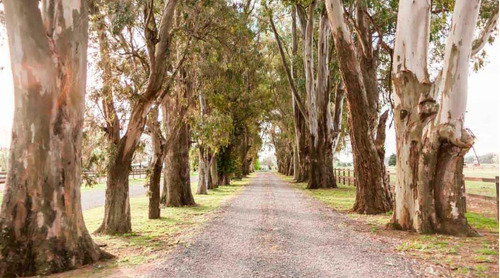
[95, 198]
[274, 230]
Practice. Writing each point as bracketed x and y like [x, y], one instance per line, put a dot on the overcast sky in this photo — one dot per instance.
[482, 105]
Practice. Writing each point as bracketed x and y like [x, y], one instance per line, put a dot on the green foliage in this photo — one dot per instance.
[257, 165]
[392, 160]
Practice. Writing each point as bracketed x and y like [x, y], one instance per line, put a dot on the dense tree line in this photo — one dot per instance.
[380, 64]
[210, 81]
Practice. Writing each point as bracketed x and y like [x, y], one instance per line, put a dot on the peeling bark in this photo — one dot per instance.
[321, 141]
[177, 174]
[117, 207]
[372, 191]
[41, 221]
[431, 139]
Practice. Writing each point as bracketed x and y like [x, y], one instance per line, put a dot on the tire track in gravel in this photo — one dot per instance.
[274, 230]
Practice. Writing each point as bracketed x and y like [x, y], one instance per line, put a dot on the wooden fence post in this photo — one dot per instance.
[343, 176]
[349, 176]
[496, 188]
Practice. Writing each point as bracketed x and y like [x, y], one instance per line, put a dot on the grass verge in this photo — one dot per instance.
[459, 257]
[152, 239]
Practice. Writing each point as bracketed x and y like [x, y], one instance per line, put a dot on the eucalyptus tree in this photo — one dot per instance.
[430, 133]
[358, 68]
[156, 26]
[159, 143]
[322, 125]
[41, 219]
[231, 99]
[295, 76]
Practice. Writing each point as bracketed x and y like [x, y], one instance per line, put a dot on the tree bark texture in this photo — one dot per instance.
[177, 173]
[156, 164]
[431, 139]
[372, 190]
[117, 207]
[41, 221]
[321, 123]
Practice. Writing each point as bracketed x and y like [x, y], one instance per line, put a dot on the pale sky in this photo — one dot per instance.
[482, 105]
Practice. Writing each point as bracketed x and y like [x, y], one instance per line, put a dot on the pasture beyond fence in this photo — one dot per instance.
[346, 176]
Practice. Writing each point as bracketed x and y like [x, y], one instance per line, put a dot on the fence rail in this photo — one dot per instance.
[346, 176]
[134, 173]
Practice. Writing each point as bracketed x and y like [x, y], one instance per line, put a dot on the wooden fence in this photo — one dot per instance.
[346, 176]
[135, 173]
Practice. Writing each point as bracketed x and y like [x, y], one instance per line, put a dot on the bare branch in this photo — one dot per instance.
[298, 99]
[479, 43]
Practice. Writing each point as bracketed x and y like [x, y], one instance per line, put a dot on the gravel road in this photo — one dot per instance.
[273, 230]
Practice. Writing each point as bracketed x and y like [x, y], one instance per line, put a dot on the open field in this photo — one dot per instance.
[460, 257]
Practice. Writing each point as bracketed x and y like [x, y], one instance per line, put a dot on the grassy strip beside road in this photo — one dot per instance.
[458, 256]
[152, 239]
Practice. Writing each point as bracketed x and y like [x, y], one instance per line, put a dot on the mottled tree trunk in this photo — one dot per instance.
[177, 173]
[213, 171]
[210, 181]
[372, 192]
[156, 165]
[177, 170]
[431, 139]
[202, 172]
[117, 207]
[321, 132]
[41, 219]
[117, 218]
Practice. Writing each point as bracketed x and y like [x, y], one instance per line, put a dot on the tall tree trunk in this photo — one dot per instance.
[372, 192]
[202, 172]
[213, 171]
[117, 207]
[156, 165]
[210, 182]
[431, 139]
[321, 140]
[43, 229]
[177, 170]
[299, 109]
[302, 146]
[177, 173]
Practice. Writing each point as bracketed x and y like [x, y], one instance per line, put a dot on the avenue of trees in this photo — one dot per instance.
[211, 81]
[402, 62]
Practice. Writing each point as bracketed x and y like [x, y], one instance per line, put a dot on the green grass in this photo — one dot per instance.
[151, 238]
[480, 188]
[472, 187]
[480, 222]
[476, 256]
[342, 199]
